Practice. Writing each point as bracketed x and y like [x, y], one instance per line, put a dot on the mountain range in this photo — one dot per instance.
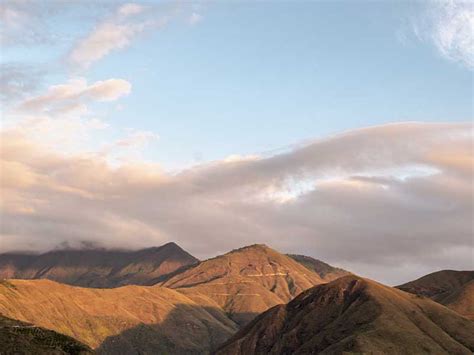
[97, 267]
[254, 300]
[355, 315]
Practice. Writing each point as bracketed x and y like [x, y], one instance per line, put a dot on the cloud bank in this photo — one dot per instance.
[390, 202]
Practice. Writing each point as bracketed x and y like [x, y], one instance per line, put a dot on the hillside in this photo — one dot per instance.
[246, 281]
[129, 319]
[454, 289]
[352, 314]
[98, 267]
[325, 271]
[23, 338]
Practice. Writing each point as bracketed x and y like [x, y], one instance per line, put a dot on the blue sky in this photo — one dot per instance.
[252, 77]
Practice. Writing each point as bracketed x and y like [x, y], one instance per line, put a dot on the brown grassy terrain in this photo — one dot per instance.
[149, 319]
[454, 289]
[98, 267]
[246, 281]
[355, 315]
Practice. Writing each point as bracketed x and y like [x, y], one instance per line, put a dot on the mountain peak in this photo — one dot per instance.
[252, 247]
[98, 267]
[247, 281]
[354, 315]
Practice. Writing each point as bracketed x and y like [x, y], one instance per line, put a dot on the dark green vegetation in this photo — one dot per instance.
[23, 338]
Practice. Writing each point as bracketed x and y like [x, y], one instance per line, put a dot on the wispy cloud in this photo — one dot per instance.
[350, 186]
[114, 33]
[75, 94]
[449, 25]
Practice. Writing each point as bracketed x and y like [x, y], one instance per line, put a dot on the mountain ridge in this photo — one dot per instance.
[452, 288]
[99, 268]
[352, 314]
[246, 281]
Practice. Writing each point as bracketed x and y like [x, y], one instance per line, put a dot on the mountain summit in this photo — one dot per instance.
[355, 315]
[98, 267]
[246, 281]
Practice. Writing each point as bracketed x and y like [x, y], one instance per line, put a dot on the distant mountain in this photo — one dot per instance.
[124, 320]
[325, 271]
[23, 338]
[355, 315]
[246, 281]
[98, 267]
[454, 289]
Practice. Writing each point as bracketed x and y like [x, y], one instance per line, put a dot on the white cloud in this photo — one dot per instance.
[449, 24]
[114, 33]
[370, 199]
[73, 95]
[105, 38]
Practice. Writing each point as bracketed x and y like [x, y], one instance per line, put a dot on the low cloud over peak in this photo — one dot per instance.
[389, 202]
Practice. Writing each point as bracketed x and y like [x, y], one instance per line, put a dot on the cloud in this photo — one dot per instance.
[114, 33]
[389, 202]
[73, 95]
[195, 18]
[449, 25]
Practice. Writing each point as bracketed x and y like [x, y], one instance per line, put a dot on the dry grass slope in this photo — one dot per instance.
[246, 281]
[132, 318]
[454, 289]
[355, 315]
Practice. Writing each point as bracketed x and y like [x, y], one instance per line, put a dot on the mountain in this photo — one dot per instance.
[98, 267]
[246, 281]
[355, 315]
[124, 320]
[23, 338]
[454, 289]
[325, 271]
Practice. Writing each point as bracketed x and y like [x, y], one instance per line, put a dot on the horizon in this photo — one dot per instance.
[337, 130]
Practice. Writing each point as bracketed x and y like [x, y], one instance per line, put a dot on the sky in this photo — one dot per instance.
[341, 130]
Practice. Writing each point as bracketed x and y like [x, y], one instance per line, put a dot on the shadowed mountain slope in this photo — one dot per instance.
[140, 319]
[325, 271]
[246, 281]
[352, 314]
[98, 268]
[23, 338]
[454, 289]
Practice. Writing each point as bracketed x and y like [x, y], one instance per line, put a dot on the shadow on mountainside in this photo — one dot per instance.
[186, 330]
